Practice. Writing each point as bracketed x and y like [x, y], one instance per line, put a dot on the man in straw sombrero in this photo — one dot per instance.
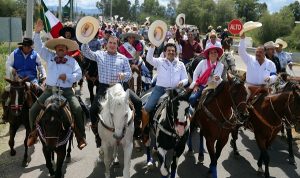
[260, 70]
[284, 57]
[170, 73]
[63, 71]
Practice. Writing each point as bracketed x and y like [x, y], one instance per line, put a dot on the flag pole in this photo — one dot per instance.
[29, 18]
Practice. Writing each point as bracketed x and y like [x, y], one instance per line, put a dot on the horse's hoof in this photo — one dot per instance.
[150, 165]
[200, 158]
[26, 162]
[13, 152]
[260, 171]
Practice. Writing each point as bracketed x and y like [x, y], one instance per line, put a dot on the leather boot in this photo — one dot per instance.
[32, 138]
[80, 140]
[145, 130]
[94, 128]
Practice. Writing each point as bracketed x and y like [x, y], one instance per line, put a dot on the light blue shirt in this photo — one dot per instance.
[284, 59]
[109, 66]
[70, 68]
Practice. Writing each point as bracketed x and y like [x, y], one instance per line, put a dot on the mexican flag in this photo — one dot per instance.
[51, 23]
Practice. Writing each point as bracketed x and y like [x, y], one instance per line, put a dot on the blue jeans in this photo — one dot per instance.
[195, 96]
[154, 97]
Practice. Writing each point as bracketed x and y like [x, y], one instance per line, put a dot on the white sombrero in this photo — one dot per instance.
[86, 29]
[250, 26]
[157, 32]
[180, 20]
[270, 44]
[71, 44]
[281, 42]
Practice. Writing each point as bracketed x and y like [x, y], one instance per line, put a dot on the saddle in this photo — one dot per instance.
[257, 92]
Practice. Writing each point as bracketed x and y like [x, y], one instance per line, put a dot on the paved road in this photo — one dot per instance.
[85, 163]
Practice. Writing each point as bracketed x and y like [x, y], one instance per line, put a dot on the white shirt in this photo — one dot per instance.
[256, 73]
[169, 74]
[70, 68]
[11, 59]
[201, 68]
[208, 44]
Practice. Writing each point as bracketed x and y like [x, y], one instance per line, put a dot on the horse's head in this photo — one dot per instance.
[119, 111]
[18, 95]
[177, 110]
[54, 123]
[229, 62]
[238, 95]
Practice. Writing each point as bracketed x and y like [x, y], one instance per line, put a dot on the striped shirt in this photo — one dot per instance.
[109, 66]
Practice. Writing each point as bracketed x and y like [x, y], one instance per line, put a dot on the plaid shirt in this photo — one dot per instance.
[109, 66]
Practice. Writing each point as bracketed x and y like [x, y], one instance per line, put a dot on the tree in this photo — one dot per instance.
[246, 9]
[224, 13]
[295, 8]
[134, 10]
[171, 9]
[6, 8]
[20, 11]
[275, 25]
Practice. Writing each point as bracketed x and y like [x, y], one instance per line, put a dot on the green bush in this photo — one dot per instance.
[2, 72]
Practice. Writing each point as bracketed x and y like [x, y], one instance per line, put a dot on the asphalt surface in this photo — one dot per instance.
[86, 163]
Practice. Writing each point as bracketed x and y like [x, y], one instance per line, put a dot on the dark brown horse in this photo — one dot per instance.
[135, 83]
[266, 118]
[54, 125]
[218, 117]
[20, 101]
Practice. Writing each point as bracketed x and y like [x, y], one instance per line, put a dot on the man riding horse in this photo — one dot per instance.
[113, 68]
[22, 62]
[63, 71]
[170, 73]
[260, 70]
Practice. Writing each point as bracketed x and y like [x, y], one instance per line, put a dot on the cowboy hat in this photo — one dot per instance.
[67, 29]
[86, 29]
[219, 50]
[131, 33]
[180, 20]
[71, 44]
[157, 32]
[270, 44]
[26, 42]
[281, 42]
[250, 26]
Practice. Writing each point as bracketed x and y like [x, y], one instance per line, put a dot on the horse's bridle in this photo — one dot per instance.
[18, 106]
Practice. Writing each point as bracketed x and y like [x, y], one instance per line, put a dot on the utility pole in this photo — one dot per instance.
[29, 18]
[59, 10]
[111, 9]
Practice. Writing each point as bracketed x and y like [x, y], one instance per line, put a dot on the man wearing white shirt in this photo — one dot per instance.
[260, 70]
[170, 73]
[63, 71]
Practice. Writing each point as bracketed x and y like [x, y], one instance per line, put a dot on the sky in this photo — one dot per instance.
[273, 5]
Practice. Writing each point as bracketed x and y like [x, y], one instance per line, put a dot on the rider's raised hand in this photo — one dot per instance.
[39, 26]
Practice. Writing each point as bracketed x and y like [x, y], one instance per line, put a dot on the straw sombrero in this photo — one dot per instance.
[180, 20]
[131, 33]
[86, 29]
[270, 44]
[250, 26]
[157, 32]
[71, 44]
[281, 42]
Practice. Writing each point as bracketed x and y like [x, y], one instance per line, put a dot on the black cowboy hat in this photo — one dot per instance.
[67, 29]
[26, 42]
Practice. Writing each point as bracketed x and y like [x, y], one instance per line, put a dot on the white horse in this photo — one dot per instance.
[116, 127]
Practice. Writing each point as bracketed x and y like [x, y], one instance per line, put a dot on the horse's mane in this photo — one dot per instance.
[118, 94]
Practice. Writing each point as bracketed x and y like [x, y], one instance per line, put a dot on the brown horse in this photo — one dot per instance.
[135, 83]
[266, 118]
[218, 117]
[20, 101]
